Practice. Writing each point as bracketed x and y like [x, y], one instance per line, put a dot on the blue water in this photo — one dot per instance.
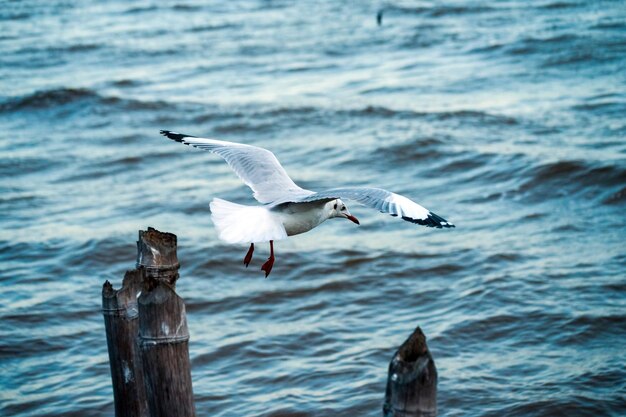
[506, 118]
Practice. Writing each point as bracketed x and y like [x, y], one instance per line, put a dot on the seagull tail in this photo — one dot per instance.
[236, 223]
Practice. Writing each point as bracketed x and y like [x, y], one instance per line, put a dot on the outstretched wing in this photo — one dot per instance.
[384, 201]
[257, 167]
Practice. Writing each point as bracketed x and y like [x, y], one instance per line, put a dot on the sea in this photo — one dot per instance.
[507, 118]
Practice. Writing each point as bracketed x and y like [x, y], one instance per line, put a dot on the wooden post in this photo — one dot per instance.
[412, 380]
[119, 308]
[163, 333]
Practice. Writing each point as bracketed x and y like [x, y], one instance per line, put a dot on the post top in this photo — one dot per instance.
[156, 253]
[413, 347]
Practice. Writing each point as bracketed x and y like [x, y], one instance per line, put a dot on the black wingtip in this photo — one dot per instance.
[178, 137]
[432, 220]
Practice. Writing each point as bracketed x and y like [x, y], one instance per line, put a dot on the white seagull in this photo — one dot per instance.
[287, 209]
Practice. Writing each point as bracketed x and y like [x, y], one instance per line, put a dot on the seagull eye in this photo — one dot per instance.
[343, 208]
[335, 207]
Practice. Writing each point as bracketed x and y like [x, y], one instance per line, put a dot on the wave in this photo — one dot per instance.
[609, 25]
[618, 197]
[49, 99]
[125, 82]
[82, 47]
[509, 175]
[558, 5]
[530, 45]
[602, 108]
[175, 7]
[9, 13]
[559, 50]
[212, 27]
[141, 9]
[17, 204]
[46, 52]
[608, 175]
[10, 166]
[413, 151]
[556, 50]
[267, 118]
[439, 10]
[570, 177]
[186, 7]
[483, 117]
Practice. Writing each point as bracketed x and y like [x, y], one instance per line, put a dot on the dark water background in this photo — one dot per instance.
[507, 118]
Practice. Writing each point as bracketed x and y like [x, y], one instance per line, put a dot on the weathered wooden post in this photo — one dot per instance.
[119, 308]
[163, 333]
[412, 380]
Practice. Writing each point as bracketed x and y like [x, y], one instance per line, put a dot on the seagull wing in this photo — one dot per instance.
[257, 167]
[385, 202]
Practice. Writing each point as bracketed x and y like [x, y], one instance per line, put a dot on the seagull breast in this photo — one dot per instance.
[299, 218]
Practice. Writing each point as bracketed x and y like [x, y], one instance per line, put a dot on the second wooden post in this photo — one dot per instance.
[412, 380]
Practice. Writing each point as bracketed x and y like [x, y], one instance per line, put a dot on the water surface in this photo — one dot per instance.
[507, 118]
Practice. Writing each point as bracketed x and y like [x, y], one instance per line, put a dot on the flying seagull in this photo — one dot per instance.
[287, 209]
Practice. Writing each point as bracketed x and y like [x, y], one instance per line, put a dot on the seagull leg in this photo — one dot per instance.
[248, 257]
[267, 266]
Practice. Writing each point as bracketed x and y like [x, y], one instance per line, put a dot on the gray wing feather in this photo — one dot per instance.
[385, 202]
[257, 167]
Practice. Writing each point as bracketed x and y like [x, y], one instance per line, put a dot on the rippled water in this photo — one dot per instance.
[506, 118]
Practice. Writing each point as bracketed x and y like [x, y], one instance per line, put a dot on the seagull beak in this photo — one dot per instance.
[352, 218]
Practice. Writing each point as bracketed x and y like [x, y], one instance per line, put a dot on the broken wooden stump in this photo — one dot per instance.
[412, 380]
[147, 334]
[121, 323]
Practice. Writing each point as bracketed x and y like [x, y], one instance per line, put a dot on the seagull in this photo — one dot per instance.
[288, 209]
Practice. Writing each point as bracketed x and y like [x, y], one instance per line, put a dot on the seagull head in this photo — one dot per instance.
[338, 209]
